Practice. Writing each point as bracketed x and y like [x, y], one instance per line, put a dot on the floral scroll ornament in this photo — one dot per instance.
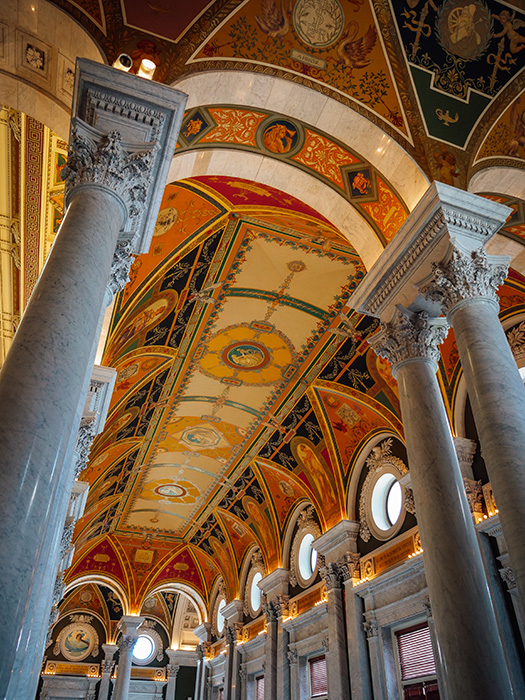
[306, 524]
[380, 457]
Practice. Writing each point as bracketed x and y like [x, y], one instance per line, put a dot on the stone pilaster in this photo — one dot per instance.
[275, 607]
[106, 667]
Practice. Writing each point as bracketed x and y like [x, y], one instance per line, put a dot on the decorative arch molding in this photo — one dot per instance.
[316, 109]
[290, 530]
[505, 180]
[255, 566]
[218, 593]
[104, 581]
[286, 178]
[247, 564]
[184, 589]
[360, 464]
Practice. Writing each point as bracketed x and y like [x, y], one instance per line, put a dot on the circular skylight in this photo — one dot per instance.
[307, 557]
[143, 649]
[255, 592]
[220, 616]
[387, 501]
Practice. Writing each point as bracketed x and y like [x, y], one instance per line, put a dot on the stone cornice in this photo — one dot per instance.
[146, 115]
[443, 215]
[275, 583]
[338, 540]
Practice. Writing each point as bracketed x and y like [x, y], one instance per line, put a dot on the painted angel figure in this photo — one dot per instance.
[510, 28]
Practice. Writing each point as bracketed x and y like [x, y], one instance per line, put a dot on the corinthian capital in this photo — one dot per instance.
[465, 275]
[408, 336]
[103, 159]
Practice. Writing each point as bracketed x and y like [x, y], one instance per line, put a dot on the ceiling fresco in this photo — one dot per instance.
[245, 385]
[436, 75]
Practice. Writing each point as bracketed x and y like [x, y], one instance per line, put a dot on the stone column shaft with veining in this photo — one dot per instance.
[41, 384]
[466, 286]
[336, 653]
[129, 627]
[474, 664]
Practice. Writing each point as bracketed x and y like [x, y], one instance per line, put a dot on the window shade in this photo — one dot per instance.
[259, 688]
[415, 653]
[318, 681]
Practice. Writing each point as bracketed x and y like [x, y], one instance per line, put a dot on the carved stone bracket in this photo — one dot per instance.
[408, 501]
[291, 655]
[83, 444]
[119, 275]
[408, 336]
[371, 628]
[507, 575]
[466, 275]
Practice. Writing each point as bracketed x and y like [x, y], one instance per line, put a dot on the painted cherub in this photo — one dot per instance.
[510, 26]
[446, 162]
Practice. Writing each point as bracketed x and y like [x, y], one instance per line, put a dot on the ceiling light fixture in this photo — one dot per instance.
[123, 62]
[146, 69]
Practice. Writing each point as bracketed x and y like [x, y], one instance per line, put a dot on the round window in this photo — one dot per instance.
[255, 592]
[220, 616]
[387, 502]
[307, 558]
[143, 649]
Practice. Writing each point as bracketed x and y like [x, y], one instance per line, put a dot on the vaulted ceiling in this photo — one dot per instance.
[245, 385]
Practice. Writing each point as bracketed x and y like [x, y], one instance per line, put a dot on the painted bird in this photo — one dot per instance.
[204, 294]
[354, 52]
[348, 330]
[273, 20]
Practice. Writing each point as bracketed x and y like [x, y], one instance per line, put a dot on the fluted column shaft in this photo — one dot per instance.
[466, 287]
[42, 381]
[474, 664]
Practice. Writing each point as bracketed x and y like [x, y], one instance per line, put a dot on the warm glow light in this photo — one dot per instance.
[147, 69]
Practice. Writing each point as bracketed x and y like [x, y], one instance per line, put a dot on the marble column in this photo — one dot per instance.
[107, 667]
[467, 633]
[203, 633]
[123, 135]
[270, 653]
[465, 285]
[172, 669]
[360, 680]
[129, 629]
[336, 656]
[233, 615]
[275, 606]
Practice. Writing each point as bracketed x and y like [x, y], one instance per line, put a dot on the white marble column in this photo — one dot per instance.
[233, 615]
[275, 606]
[360, 680]
[113, 193]
[107, 667]
[467, 633]
[129, 628]
[203, 632]
[172, 669]
[336, 655]
[270, 653]
[465, 285]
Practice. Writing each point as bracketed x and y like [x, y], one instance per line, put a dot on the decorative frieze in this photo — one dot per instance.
[408, 336]
[465, 275]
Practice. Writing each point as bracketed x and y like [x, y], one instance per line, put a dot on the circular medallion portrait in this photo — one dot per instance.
[78, 641]
[279, 136]
[246, 355]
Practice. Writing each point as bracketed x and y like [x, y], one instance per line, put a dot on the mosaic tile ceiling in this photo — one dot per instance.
[443, 77]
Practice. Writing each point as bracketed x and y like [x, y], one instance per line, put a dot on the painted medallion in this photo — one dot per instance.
[318, 22]
[250, 355]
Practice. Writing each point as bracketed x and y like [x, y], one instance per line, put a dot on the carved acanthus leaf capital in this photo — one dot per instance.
[371, 628]
[332, 575]
[103, 159]
[465, 275]
[107, 666]
[408, 336]
[508, 576]
[126, 644]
